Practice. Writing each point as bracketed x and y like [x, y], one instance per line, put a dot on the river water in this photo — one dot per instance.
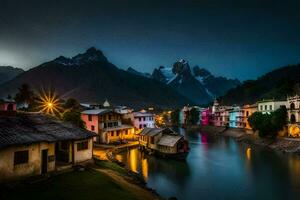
[219, 168]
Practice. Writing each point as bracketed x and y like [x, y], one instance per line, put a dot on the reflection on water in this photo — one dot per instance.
[219, 168]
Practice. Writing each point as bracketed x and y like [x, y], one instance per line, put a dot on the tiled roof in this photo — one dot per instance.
[28, 128]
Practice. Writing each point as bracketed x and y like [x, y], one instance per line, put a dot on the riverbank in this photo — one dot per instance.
[107, 163]
[283, 144]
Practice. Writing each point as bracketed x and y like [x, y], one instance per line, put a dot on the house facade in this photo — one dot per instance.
[293, 108]
[248, 110]
[34, 144]
[268, 106]
[107, 124]
[236, 117]
[205, 116]
[143, 120]
[8, 105]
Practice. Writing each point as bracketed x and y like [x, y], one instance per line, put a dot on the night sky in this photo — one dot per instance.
[238, 39]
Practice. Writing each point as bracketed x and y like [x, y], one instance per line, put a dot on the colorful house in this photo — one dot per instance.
[141, 119]
[33, 144]
[248, 110]
[8, 105]
[107, 124]
[236, 118]
[205, 116]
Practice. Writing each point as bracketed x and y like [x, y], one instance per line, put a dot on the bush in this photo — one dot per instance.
[73, 117]
[269, 125]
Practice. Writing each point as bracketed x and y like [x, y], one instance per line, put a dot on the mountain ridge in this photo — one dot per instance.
[91, 77]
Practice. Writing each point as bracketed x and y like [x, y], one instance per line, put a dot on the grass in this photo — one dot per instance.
[86, 185]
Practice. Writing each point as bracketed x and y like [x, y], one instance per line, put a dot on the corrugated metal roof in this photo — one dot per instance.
[169, 140]
[28, 128]
[96, 111]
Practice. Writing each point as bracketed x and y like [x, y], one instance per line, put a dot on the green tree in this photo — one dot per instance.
[269, 125]
[73, 117]
[72, 104]
[193, 117]
[25, 95]
[175, 117]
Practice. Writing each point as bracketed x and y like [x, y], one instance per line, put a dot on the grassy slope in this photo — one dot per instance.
[87, 185]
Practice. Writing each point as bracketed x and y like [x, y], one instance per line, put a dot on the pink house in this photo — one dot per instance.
[205, 116]
[8, 105]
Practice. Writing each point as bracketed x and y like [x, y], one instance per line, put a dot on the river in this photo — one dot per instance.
[219, 168]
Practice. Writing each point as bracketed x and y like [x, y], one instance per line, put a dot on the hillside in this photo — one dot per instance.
[7, 73]
[90, 77]
[276, 84]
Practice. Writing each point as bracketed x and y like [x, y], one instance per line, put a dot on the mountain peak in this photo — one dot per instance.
[89, 56]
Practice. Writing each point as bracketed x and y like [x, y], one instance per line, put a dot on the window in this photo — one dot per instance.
[261, 107]
[266, 107]
[90, 117]
[292, 106]
[21, 157]
[270, 107]
[92, 128]
[105, 125]
[247, 113]
[82, 145]
[145, 125]
[118, 133]
[141, 126]
[112, 134]
[140, 119]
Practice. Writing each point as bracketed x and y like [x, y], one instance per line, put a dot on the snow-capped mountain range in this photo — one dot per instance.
[197, 84]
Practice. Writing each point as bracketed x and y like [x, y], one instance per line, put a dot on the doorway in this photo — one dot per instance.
[44, 161]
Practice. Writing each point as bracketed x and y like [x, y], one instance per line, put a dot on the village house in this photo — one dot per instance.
[248, 110]
[163, 141]
[293, 108]
[268, 106]
[141, 119]
[34, 144]
[8, 105]
[236, 118]
[221, 116]
[107, 124]
[205, 116]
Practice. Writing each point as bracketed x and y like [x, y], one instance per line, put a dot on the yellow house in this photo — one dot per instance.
[34, 144]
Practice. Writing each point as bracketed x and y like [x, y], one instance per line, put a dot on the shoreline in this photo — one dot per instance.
[282, 144]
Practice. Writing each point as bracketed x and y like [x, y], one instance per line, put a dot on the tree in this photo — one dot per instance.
[72, 104]
[25, 95]
[175, 117]
[193, 117]
[269, 125]
[73, 117]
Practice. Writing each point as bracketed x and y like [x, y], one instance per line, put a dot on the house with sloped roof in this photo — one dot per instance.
[34, 144]
[164, 142]
[107, 124]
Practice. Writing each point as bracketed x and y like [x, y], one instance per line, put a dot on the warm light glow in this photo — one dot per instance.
[48, 102]
[248, 153]
[145, 169]
[133, 157]
[294, 131]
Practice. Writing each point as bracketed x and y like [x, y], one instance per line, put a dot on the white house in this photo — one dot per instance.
[268, 106]
[142, 119]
